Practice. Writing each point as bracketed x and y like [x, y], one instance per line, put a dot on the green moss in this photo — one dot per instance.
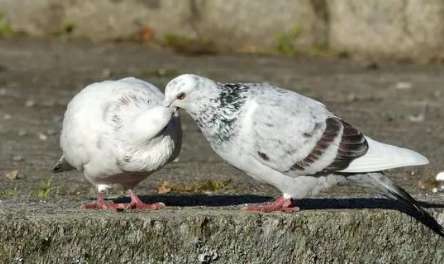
[187, 45]
[195, 187]
[9, 193]
[5, 28]
[285, 41]
[44, 189]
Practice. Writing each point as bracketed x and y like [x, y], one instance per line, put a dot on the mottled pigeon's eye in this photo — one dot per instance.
[180, 96]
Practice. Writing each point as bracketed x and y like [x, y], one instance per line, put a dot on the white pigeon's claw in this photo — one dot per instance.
[118, 132]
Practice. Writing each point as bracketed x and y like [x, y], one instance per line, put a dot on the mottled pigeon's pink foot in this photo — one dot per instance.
[136, 203]
[281, 204]
[101, 204]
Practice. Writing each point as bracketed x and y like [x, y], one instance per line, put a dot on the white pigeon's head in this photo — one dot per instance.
[186, 90]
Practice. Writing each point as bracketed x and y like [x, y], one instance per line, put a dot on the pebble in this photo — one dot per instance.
[17, 158]
[440, 176]
[3, 91]
[416, 118]
[7, 116]
[22, 133]
[43, 137]
[404, 86]
[30, 103]
[12, 175]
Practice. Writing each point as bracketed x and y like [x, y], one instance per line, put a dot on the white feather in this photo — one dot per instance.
[382, 156]
[117, 132]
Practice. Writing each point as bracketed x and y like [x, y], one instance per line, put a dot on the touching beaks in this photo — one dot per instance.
[167, 103]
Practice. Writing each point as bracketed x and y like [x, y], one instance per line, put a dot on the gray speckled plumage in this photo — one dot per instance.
[281, 137]
[290, 141]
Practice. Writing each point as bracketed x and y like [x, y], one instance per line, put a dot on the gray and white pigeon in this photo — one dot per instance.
[118, 132]
[288, 140]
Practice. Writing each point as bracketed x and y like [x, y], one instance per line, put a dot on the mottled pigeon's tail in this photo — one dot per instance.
[62, 165]
[391, 190]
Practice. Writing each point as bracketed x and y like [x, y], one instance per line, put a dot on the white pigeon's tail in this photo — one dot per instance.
[382, 156]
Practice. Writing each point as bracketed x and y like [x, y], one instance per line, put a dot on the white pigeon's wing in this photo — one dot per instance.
[131, 98]
[382, 156]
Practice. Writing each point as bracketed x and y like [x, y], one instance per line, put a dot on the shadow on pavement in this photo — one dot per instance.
[200, 199]
[304, 204]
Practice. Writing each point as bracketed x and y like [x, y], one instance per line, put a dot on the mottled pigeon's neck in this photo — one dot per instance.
[217, 114]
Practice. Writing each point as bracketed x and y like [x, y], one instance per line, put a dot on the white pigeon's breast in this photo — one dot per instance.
[92, 126]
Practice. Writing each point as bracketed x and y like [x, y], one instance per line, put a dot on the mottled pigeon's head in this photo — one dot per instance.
[186, 90]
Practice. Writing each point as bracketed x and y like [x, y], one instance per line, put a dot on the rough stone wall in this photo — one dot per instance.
[393, 28]
[386, 28]
[217, 236]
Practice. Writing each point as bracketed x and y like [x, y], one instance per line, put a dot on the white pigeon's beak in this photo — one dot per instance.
[167, 102]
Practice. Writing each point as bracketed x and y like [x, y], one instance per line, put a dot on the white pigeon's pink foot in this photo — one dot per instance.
[281, 204]
[101, 204]
[136, 203]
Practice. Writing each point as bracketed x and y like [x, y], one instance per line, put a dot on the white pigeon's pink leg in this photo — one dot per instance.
[101, 204]
[136, 203]
[281, 204]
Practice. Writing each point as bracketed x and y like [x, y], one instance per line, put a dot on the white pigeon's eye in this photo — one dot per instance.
[180, 96]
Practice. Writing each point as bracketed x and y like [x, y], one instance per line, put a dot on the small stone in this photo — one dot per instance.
[22, 133]
[404, 86]
[351, 97]
[440, 176]
[208, 256]
[12, 175]
[30, 103]
[3, 91]
[17, 158]
[164, 187]
[428, 184]
[43, 137]
[416, 118]
[176, 159]
[7, 116]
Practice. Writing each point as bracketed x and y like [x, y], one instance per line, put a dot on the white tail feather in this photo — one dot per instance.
[382, 156]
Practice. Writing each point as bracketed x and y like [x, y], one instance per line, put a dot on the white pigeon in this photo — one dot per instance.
[288, 140]
[118, 132]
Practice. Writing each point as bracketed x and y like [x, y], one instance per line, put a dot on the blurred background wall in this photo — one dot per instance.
[400, 29]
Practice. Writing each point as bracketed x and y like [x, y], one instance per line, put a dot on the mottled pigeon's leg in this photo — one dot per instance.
[136, 203]
[281, 204]
[101, 204]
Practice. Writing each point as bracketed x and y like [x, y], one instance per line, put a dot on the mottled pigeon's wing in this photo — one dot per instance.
[295, 133]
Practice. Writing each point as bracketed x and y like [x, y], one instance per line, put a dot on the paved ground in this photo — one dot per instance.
[400, 104]
[38, 78]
